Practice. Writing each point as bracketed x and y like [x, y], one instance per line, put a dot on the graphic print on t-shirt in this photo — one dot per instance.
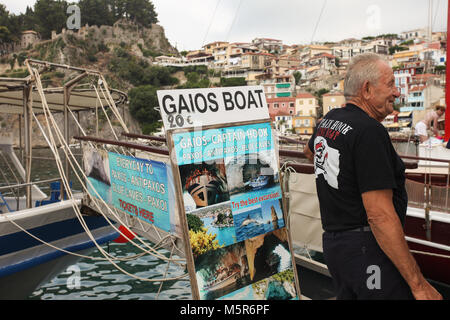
[326, 161]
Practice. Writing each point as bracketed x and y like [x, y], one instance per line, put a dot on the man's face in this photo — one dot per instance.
[384, 93]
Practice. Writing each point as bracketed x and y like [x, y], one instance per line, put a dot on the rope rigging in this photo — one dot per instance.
[49, 135]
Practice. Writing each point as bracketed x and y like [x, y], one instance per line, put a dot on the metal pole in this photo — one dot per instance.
[447, 80]
[66, 97]
[27, 107]
[20, 139]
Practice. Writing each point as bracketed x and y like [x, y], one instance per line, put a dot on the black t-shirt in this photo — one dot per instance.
[353, 154]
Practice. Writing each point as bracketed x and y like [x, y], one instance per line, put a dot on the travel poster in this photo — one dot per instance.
[233, 202]
[133, 185]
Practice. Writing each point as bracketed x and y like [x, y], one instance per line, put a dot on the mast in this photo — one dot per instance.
[447, 79]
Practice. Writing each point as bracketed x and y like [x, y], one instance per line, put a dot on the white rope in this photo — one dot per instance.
[95, 198]
[112, 104]
[124, 151]
[430, 254]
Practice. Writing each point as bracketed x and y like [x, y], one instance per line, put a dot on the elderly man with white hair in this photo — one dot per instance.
[360, 183]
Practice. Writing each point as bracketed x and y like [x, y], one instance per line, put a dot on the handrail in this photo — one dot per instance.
[291, 153]
[298, 154]
[143, 136]
[293, 140]
[124, 144]
[423, 158]
[29, 183]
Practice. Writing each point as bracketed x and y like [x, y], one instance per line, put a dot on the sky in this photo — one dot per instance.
[190, 24]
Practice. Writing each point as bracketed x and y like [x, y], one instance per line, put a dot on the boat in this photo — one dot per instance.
[204, 187]
[42, 234]
[217, 284]
[259, 182]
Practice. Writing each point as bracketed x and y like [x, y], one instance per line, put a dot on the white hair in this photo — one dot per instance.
[364, 67]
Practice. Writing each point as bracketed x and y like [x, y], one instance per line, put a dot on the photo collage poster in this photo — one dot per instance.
[233, 203]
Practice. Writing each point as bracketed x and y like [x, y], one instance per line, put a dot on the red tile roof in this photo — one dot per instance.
[282, 99]
[338, 93]
[304, 95]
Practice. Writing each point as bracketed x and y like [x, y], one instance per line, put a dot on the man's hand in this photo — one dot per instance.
[426, 292]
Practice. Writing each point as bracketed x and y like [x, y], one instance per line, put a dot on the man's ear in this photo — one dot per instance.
[366, 90]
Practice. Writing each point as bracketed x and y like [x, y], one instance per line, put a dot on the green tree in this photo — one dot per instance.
[50, 15]
[194, 222]
[143, 100]
[29, 19]
[97, 12]
[5, 35]
[297, 75]
[233, 82]
[319, 94]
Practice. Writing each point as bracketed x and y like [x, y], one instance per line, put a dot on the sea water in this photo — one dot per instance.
[100, 280]
[225, 235]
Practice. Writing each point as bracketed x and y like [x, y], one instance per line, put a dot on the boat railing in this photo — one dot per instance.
[15, 191]
[126, 144]
[435, 197]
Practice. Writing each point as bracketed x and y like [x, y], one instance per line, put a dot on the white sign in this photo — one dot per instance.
[188, 108]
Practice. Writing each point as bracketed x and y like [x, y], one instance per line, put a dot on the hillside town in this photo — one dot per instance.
[301, 82]
[304, 82]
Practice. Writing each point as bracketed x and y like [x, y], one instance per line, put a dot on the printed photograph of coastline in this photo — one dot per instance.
[268, 254]
[280, 286]
[213, 221]
[96, 168]
[204, 184]
[222, 271]
[251, 172]
[273, 213]
[258, 219]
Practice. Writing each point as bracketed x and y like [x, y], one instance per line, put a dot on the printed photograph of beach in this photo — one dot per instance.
[214, 223]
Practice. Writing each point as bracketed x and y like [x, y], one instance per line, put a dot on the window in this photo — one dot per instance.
[310, 102]
[291, 105]
[306, 122]
[275, 105]
[300, 102]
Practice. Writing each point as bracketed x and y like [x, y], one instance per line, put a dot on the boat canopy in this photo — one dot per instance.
[81, 98]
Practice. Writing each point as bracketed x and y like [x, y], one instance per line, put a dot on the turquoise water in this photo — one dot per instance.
[225, 235]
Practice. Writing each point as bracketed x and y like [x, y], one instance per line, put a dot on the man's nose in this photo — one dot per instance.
[396, 92]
